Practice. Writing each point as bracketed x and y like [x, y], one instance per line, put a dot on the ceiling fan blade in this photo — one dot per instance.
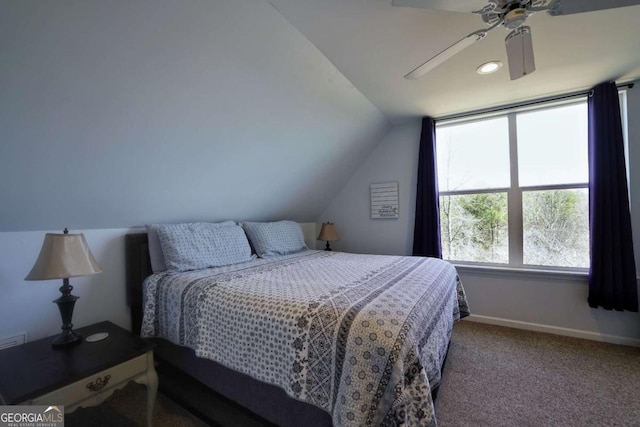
[446, 54]
[568, 7]
[466, 6]
[520, 52]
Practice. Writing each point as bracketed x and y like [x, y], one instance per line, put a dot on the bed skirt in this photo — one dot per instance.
[266, 400]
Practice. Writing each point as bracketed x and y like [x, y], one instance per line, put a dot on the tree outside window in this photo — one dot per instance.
[514, 188]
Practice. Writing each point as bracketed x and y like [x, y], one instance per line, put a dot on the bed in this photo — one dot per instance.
[311, 338]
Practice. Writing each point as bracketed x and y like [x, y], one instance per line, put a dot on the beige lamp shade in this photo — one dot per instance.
[63, 256]
[328, 233]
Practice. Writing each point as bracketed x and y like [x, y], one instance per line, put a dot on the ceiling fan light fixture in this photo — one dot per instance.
[489, 67]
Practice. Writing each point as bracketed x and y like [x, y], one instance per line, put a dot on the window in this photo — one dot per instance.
[514, 187]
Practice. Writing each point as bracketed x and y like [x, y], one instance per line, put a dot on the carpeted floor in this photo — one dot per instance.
[128, 408]
[182, 402]
[498, 376]
[494, 376]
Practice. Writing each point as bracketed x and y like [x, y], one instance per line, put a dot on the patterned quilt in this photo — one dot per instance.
[361, 336]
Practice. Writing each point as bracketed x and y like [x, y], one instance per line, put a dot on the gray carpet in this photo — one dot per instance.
[128, 408]
[498, 376]
[494, 376]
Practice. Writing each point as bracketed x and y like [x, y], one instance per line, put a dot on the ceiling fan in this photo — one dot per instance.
[510, 14]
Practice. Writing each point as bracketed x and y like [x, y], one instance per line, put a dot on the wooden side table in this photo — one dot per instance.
[84, 374]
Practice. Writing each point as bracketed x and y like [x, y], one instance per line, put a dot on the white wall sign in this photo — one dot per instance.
[384, 200]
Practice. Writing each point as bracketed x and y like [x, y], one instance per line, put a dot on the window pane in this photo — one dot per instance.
[474, 227]
[556, 227]
[552, 146]
[474, 155]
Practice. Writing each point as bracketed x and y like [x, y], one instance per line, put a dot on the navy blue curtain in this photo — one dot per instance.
[426, 233]
[612, 276]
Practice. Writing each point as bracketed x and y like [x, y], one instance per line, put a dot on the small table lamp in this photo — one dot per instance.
[328, 234]
[63, 256]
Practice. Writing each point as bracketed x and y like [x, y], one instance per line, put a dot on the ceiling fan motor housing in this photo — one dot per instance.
[515, 18]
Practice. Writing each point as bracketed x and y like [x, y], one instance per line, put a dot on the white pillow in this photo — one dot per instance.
[156, 256]
[203, 245]
[275, 238]
[155, 250]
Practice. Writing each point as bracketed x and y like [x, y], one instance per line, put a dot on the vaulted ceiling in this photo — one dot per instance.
[120, 113]
[374, 44]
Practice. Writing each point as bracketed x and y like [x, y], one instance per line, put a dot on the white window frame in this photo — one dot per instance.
[514, 191]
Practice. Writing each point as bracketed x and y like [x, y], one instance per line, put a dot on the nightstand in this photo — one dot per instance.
[84, 374]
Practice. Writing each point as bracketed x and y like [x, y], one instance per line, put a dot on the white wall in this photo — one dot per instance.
[117, 113]
[548, 303]
[27, 306]
[394, 159]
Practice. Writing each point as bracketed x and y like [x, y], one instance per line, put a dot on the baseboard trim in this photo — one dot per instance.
[537, 327]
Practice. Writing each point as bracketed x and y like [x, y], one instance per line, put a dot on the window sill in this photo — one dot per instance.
[581, 275]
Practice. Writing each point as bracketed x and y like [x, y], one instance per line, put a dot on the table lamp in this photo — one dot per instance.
[328, 234]
[63, 256]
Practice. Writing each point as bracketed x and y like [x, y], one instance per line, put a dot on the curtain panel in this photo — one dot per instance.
[612, 275]
[426, 232]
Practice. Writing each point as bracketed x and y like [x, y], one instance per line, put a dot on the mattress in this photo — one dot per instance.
[362, 337]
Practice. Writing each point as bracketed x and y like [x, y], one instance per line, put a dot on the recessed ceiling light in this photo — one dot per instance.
[489, 67]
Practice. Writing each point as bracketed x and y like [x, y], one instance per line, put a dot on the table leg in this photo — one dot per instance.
[152, 388]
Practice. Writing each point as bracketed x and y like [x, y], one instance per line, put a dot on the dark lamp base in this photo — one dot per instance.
[66, 302]
[66, 338]
[327, 247]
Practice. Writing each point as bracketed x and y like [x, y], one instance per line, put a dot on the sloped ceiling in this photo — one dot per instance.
[374, 44]
[120, 113]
